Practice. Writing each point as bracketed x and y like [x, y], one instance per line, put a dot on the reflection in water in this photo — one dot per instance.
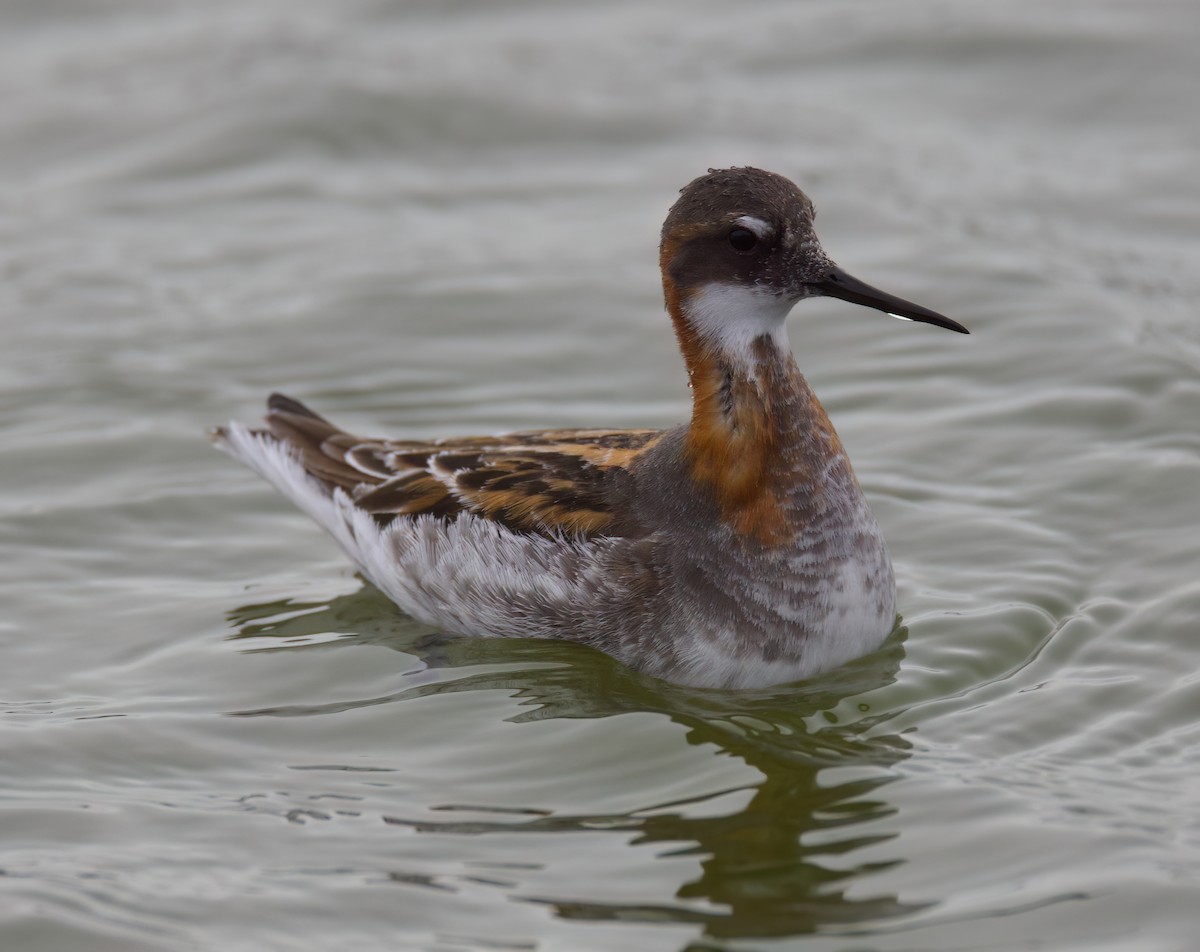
[775, 867]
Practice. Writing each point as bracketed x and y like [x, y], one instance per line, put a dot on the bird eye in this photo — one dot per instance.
[742, 240]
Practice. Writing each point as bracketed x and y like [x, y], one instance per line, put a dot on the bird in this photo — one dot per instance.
[734, 551]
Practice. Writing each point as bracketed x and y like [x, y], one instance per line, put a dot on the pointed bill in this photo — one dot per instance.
[837, 283]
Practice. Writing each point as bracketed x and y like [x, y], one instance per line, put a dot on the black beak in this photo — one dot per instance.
[838, 284]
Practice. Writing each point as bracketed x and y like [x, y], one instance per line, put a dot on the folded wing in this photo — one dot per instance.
[552, 482]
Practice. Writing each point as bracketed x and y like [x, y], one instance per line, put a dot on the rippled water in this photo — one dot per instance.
[441, 218]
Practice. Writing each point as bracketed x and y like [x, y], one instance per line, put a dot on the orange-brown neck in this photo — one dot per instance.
[760, 443]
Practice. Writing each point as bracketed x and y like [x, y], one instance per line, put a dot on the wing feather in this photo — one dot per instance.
[552, 482]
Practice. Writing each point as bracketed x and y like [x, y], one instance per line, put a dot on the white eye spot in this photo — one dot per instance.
[762, 229]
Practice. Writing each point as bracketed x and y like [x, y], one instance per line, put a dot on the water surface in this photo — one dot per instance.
[441, 218]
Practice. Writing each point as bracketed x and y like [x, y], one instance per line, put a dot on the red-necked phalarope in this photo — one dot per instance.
[733, 551]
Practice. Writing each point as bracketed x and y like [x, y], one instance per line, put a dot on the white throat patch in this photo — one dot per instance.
[732, 317]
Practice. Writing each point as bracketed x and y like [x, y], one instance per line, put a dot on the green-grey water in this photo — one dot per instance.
[432, 219]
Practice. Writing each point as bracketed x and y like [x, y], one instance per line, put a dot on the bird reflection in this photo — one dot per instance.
[780, 864]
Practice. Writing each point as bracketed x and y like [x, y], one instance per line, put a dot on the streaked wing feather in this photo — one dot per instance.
[552, 482]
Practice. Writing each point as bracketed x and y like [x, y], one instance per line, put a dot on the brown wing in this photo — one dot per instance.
[552, 482]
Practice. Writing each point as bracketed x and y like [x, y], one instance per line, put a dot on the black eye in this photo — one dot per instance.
[742, 240]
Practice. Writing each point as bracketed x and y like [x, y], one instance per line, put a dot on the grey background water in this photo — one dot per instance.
[441, 218]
